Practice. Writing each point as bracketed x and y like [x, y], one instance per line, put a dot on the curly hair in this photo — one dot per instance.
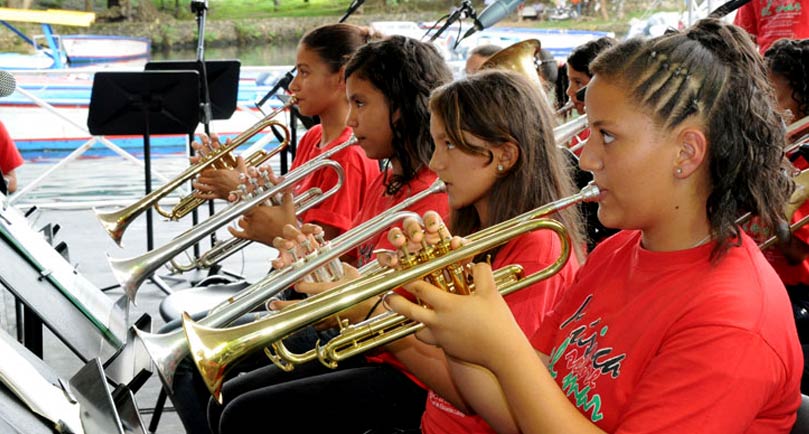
[790, 59]
[482, 105]
[712, 72]
[405, 71]
[335, 43]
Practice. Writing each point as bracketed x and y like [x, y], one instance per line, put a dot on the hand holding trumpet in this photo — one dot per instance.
[265, 222]
[215, 182]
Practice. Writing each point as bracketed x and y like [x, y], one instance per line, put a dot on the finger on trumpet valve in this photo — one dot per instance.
[298, 261]
[404, 259]
[335, 266]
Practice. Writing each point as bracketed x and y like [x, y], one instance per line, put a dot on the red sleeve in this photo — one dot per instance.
[682, 391]
[10, 157]
[746, 19]
[340, 210]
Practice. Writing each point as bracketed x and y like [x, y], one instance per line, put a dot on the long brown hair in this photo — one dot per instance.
[405, 71]
[712, 72]
[498, 107]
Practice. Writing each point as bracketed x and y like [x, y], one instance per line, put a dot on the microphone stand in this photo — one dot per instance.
[283, 83]
[466, 10]
[200, 9]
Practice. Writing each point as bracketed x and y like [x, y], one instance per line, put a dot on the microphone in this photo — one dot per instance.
[459, 13]
[492, 14]
[7, 84]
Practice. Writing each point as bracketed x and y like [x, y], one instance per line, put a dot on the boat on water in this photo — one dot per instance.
[39, 132]
[53, 51]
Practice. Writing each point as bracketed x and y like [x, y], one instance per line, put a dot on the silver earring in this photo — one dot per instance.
[679, 171]
[500, 168]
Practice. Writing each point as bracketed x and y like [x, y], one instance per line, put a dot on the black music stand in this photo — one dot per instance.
[222, 79]
[223, 82]
[145, 103]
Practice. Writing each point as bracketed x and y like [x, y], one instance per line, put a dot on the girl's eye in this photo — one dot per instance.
[608, 138]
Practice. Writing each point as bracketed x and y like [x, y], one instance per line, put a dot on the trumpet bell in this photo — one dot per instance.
[114, 222]
[520, 58]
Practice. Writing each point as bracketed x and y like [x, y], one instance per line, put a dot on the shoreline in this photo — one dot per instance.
[167, 33]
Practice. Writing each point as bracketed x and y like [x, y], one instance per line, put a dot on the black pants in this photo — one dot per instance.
[190, 397]
[356, 398]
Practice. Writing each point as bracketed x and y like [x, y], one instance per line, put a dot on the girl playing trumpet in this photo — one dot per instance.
[676, 324]
[388, 84]
[319, 87]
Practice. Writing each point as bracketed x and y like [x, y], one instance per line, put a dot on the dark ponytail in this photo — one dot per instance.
[335, 43]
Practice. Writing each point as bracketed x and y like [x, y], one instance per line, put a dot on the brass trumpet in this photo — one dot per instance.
[303, 202]
[166, 350]
[116, 222]
[215, 350]
[132, 272]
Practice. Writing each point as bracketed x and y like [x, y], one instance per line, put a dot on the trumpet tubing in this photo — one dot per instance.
[388, 327]
[167, 350]
[132, 272]
[116, 222]
[303, 203]
[215, 350]
[563, 133]
[189, 203]
[226, 248]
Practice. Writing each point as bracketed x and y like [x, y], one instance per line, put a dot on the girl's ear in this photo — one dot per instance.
[506, 155]
[341, 76]
[692, 152]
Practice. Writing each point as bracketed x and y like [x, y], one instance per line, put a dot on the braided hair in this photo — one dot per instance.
[713, 73]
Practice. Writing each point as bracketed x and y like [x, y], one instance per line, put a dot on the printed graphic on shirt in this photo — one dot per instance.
[585, 361]
[777, 7]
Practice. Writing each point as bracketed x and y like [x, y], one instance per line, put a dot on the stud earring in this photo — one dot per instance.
[679, 171]
[500, 168]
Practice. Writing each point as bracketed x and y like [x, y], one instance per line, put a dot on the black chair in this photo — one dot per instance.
[802, 422]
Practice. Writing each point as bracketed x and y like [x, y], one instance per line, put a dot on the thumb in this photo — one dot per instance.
[288, 202]
[484, 280]
[240, 165]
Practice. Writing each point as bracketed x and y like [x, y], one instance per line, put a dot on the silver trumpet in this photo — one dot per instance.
[132, 272]
[303, 202]
[224, 249]
[167, 350]
[563, 133]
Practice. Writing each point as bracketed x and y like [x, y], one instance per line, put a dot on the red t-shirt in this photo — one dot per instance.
[534, 251]
[772, 20]
[378, 202]
[665, 342]
[339, 210]
[575, 142]
[10, 157]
